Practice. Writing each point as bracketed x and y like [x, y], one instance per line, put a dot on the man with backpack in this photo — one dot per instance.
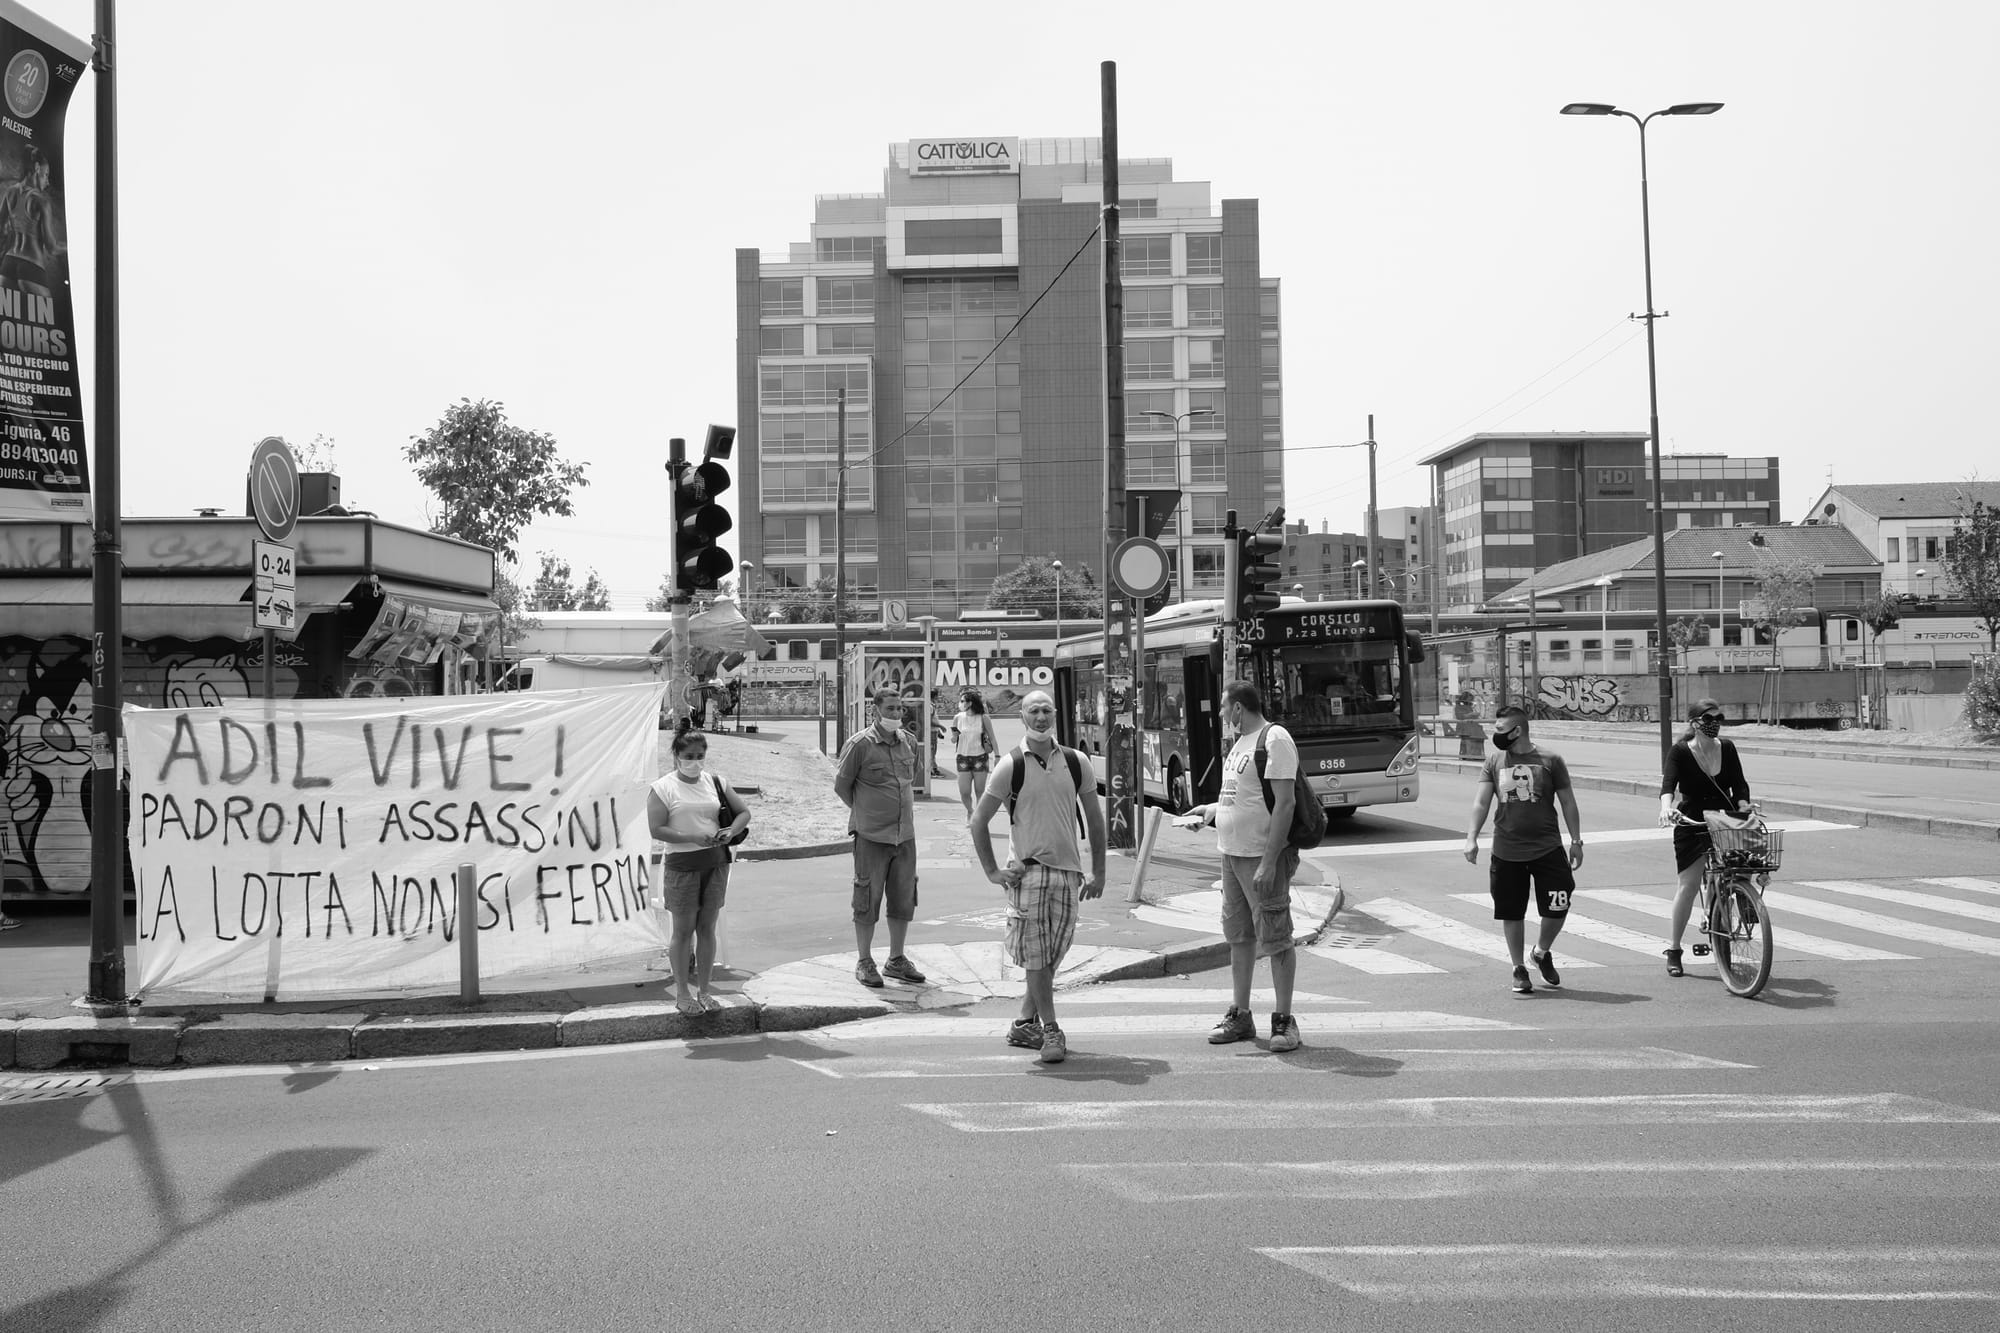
[1254, 822]
[1042, 784]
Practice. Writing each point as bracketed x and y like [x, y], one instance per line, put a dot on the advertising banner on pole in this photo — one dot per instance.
[44, 470]
[311, 846]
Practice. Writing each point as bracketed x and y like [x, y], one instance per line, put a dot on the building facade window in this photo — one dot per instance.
[781, 296]
[1207, 464]
[1207, 410]
[1139, 208]
[1895, 556]
[846, 296]
[1206, 514]
[1151, 465]
[841, 249]
[1204, 358]
[839, 339]
[1204, 253]
[1147, 257]
[952, 236]
[1204, 307]
[782, 340]
[1140, 406]
[1149, 359]
[1149, 308]
[1206, 566]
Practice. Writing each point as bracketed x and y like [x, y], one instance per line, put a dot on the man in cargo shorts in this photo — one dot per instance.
[877, 783]
[1044, 876]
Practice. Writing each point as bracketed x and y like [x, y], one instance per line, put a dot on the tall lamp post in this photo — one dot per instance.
[1357, 569]
[1604, 615]
[1720, 617]
[1057, 567]
[1180, 556]
[743, 573]
[1662, 669]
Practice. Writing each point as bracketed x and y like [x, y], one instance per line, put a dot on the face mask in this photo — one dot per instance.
[891, 725]
[1708, 726]
[1503, 740]
[1037, 725]
[689, 768]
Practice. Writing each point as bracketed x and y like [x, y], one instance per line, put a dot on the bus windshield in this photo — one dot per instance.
[1331, 688]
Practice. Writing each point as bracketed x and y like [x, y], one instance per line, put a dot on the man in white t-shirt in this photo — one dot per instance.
[1257, 863]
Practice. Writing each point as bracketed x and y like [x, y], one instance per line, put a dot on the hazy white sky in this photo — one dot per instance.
[339, 218]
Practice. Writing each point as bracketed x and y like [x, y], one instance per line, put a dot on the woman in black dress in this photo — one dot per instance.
[1705, 771]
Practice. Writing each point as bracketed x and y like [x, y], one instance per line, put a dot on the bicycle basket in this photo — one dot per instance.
[1756, 847]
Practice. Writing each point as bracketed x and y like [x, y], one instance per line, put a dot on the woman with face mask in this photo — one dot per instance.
[1704, 771]
[696, 816]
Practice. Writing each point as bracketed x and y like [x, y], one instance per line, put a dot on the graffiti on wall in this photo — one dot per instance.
[45, 702]
[1595, 697]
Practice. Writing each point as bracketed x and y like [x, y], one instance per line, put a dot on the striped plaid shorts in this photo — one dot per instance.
[1041, 916]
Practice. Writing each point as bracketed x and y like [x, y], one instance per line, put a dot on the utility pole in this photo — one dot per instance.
[1120, 778]
[107, 795]
[1374, 521]
[839, 570]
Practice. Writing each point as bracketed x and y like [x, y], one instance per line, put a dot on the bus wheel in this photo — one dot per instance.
[1180, 792]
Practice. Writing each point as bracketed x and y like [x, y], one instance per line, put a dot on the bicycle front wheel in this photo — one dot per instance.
[1739, 927]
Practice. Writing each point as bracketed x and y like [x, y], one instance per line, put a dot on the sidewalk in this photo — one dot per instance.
[1636, 773]
[786, 963]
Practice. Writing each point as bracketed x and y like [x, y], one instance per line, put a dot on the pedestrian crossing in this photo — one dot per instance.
[1875, 921]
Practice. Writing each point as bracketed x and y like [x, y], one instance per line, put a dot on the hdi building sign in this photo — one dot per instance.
[43, 471]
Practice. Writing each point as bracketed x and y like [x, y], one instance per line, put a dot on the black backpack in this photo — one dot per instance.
[1308, 815]
[1019, 771]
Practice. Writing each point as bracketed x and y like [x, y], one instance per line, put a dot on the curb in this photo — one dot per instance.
[798, 853]
[156, 1041]
[1923, 825]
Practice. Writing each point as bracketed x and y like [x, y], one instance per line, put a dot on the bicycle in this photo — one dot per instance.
[1736, 867]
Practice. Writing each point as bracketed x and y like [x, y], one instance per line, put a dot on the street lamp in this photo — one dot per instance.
[743, 573]
[1374, 521]
[1604, 612]
[1358, 566]
[1662, 669]
[1057, 567]
[1180, 556]
[1719, 616]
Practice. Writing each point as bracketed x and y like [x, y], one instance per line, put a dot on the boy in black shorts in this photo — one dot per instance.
[1527, 840]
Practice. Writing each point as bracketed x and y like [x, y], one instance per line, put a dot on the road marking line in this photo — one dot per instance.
[1651, 833]
[1885, 1108]
[1966, 882]
[1112, 1025]
[1786, 939]
[1576, 923]
[1929, 902]
[1236, 1061]
[1429, 925]
[1417, 1274]
[1876, 922]
[1123, 994]
[1370, 959]
[1206, 1181]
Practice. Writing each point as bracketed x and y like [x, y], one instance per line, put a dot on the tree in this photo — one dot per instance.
[1972, 561]
[316, 456]
[555, 589]
[1785, 593]
[1031, 586]
[1880, 613]
[491, 478]
[810, 605]
[1684, 633]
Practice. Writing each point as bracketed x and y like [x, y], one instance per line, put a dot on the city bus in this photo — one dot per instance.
[1336, 675]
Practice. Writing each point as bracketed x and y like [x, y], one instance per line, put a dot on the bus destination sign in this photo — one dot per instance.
[1324, 626]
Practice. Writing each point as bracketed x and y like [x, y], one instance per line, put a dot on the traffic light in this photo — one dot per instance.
[1256, 571]
[699, 520]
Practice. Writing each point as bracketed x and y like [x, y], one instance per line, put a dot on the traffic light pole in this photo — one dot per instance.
[1120, 721]
[677, 600]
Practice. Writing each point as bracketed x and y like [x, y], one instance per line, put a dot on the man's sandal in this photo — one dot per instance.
[1674, 963]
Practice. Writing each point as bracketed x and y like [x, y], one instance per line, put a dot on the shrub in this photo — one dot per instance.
[1982, 695]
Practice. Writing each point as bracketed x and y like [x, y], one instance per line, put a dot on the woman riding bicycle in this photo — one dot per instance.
[1706, 772]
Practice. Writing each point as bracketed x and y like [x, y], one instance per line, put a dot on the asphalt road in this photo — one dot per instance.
[1628, 1150]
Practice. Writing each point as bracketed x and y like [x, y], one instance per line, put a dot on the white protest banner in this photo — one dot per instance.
[311, 846]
